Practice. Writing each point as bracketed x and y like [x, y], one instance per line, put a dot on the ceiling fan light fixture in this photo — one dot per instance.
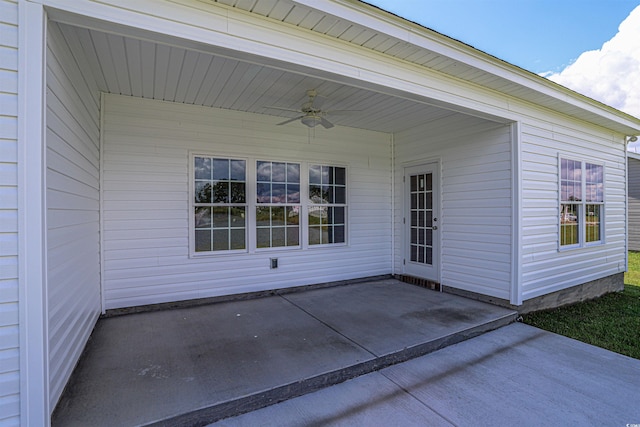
[311, 120]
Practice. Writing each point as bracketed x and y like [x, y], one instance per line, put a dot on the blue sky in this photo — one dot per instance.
[538, 35]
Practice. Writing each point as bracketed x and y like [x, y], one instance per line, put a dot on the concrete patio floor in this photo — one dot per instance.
[196, 365]
[517, 375]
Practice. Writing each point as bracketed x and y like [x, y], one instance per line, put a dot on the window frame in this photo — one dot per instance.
[331, 205]
[255, 204]
[251, 205]
[582, 204]
[192, 205]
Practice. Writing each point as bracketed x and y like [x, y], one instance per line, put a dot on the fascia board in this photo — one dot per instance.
[376, 19]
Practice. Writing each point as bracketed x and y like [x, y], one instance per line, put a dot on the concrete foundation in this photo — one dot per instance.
[572, 295]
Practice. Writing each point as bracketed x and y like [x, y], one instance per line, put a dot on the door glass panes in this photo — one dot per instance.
[219, 204]
[421, 218]
[278, 204]
[327, 210]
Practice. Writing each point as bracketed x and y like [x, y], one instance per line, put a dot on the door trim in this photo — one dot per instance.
[424, 271]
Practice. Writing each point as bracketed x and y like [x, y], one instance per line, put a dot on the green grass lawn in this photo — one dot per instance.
[611, 321]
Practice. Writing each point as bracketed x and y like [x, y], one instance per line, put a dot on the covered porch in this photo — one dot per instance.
[194, 365]
[342, 142]
[129, 108]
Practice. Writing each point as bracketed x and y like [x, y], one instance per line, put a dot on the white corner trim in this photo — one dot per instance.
[32, 262]
[101, 203]
[392, 149]
[626, 205]
[516, 215]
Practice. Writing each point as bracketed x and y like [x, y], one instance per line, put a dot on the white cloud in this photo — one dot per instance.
[610, 74]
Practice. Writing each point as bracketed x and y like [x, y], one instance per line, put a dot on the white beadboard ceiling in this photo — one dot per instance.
[128, 66]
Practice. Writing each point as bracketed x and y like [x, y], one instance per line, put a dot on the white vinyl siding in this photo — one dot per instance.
[9, 329]
[73, 226]
[146, 201]
[544, 268]
[475, 217]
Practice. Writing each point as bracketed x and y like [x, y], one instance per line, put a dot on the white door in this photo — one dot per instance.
[421, 222]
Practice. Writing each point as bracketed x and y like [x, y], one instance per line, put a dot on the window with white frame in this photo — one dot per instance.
[327, 204]
[581, 203]
[244, 205]
[277, 204]
[219, 204]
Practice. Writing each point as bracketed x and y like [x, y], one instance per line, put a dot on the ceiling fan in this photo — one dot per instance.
[311, 112]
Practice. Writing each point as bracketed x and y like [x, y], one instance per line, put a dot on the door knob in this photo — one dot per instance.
[435, 227]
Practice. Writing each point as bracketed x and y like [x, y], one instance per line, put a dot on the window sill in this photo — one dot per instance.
[212, 254]
[580, 246]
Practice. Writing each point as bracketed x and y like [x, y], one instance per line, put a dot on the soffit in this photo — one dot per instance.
[142, 68]
[418, 45]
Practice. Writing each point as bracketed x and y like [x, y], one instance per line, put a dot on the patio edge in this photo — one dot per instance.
[262, 399]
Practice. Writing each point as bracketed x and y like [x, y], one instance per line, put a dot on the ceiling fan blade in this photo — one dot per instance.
[281, 108]
[326, 123]
[290, 120]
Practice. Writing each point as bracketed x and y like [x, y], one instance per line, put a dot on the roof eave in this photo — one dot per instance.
[391, 25]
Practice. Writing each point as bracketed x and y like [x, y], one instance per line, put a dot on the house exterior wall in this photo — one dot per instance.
[546, 267]
[479, 258]
[475, 218]
[149, 143]
[633, 180]
[73, 225]
[146, 202]
[9, 328]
